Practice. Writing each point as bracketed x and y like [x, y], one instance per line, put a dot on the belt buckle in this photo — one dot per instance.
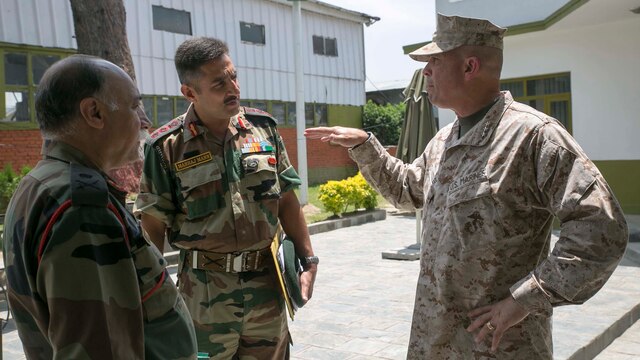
[238, 263]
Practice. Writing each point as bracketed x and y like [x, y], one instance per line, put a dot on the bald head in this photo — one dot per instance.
[64, 85]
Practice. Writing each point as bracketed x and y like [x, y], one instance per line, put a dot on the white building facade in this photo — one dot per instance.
[578, 61]
[34, 33]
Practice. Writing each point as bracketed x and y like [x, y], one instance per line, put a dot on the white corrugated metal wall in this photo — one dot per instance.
[266, 71]
[37, 22]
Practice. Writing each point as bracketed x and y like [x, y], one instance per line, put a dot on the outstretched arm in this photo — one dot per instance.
[347, 137]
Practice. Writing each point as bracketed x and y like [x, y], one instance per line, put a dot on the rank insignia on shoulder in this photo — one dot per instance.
[193, 161]
[256, 145]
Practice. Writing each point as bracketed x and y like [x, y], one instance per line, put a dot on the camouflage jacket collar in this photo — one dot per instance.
[62, 151]
[193, 126]
[480, 134]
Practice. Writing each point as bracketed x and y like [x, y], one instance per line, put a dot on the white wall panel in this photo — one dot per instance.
[266, 71]
[37, 22]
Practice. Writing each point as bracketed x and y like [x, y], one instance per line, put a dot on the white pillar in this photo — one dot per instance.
[300, 120]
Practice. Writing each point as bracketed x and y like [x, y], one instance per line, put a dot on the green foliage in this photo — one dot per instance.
[9, 181]
[384, 121]
[337, 196]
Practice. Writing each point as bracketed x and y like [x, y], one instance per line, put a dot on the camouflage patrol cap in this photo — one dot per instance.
[455, 31]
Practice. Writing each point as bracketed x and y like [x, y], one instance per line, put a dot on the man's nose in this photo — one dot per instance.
[235, 85]
[145, 123]
[427, 70]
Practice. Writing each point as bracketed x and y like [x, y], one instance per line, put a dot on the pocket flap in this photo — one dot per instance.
[257, 163]
[469, 192]
[198, 175]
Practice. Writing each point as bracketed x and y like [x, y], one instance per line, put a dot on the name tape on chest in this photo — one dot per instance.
[193, 161]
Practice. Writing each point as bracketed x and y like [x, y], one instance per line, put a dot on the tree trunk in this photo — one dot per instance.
[101, 30]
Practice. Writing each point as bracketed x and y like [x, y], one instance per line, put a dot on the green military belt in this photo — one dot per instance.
[229, 262]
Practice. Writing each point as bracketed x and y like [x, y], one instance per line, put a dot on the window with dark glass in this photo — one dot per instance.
[252, 33]
[172, 20]
[182, 105]
[308, 114]
[330, 47]
[325, 46]
[318, 45]
[278, 111]
[291, 113]
[15, 69]
[147, 101]
[260, 105]
[40, 64]
[164, 109]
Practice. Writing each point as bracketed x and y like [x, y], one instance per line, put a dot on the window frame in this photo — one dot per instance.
[178, 12]
[153, 109]
[31, 87]
[324, 40]
[546, 99]
[244, 24]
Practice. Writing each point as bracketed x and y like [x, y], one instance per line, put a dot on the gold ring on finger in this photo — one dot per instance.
[490, 326]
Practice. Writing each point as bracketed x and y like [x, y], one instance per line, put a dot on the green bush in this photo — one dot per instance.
[9, 181]
[384, 121]
[337, 196]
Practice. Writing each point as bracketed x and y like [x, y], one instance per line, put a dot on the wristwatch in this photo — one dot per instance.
[308, 260]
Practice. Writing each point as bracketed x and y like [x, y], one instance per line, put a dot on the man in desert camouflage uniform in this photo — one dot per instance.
[490, 185]
[219, 181]
[83, 282]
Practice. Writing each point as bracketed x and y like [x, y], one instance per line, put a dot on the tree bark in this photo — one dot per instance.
[101, 30]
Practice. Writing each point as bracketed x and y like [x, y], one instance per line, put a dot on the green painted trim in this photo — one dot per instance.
[540, 25]
[25, 47]
[558, 15]
[344, 115]
[623, 177]
[22, 125]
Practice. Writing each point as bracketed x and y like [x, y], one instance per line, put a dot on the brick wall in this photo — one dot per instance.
[20, 148]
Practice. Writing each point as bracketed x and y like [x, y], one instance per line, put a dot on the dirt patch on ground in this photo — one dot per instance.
[309, 209]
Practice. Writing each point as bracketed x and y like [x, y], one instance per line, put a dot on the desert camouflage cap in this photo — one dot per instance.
[455, 31]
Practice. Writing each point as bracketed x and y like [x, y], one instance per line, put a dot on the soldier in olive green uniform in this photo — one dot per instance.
[83, 282]
[490, 185]
[218, 180]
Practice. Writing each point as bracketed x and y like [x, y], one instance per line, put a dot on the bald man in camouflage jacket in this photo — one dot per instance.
[83, 282]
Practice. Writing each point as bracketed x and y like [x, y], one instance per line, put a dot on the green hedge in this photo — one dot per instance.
[9, 181]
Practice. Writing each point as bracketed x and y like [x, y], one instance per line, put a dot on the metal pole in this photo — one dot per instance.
[300, 120]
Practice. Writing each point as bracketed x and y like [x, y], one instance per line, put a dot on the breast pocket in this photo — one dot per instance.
[260, 177]
[473, 214]
[201, 189]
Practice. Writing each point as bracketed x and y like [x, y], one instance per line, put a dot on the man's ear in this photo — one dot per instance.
[188, 92]
[92, 112]
[471, 67]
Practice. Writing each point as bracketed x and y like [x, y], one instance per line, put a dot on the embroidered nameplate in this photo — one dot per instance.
[193, 161]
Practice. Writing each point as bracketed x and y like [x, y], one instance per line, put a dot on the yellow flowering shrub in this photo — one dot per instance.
[337, 196]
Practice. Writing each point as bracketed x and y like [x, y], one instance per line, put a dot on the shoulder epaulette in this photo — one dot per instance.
[259, 117]
[166, 129]
[88, 187]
